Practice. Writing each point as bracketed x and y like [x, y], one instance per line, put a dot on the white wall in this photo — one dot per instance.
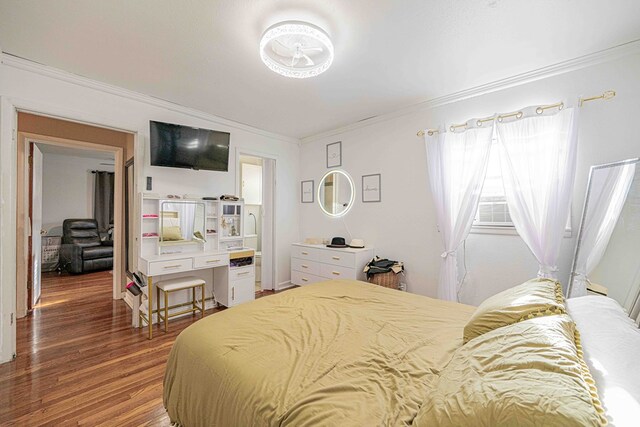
[68, 186]
[67, 96]
[403, 225]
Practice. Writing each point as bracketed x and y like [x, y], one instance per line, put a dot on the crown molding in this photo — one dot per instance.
[606, 55]
[55, 73]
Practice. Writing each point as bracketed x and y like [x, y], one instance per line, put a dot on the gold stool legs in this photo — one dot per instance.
[194, 305]
[166, 311]
[202, 304]
[193, 300]
[157, 306]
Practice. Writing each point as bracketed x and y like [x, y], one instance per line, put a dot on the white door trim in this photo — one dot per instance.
[118, 154]
[256, 153]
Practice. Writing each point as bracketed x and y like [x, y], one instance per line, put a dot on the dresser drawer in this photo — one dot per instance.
[305, 266]
[299, 278]
[344, 259]
[171, 266]
[242, 273]
[337, 272]
[211, 261]
[301, 252]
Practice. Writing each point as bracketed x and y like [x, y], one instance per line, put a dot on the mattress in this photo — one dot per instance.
[611, 344]
[332, 353]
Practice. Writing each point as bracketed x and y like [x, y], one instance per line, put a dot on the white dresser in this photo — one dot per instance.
[317, 263]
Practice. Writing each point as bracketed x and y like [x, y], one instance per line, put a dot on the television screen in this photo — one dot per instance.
[191, 148]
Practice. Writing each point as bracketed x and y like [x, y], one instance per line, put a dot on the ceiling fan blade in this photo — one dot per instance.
[309, 61]
[290, 49]
[294, 61]
[312, 49]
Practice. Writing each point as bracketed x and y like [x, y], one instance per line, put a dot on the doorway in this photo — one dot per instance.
[76, 186]
[256, 178]
[38, 137]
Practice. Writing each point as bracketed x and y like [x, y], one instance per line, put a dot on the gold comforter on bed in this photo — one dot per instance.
[336, 353]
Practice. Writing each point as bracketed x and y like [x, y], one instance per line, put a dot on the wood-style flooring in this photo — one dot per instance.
[81, 363]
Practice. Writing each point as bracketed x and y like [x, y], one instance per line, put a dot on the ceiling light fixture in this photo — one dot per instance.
[296, 49]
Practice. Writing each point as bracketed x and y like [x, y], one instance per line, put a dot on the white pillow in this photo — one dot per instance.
[611, 345]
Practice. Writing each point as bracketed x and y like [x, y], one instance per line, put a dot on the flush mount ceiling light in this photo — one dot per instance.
[296, 49]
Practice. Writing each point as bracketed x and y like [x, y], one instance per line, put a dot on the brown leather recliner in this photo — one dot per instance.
[82, 250]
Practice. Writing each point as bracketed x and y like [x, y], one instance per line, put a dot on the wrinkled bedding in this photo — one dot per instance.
[338, 353]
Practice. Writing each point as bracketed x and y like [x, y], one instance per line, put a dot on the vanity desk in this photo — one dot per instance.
[192, 237]
[232, 284]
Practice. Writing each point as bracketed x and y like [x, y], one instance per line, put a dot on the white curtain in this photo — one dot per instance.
[634, 312]
[538, 160]
[457, 164]
[607, 195]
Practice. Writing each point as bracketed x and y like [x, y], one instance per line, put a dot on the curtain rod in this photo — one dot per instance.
[96, 171]
[518, 114]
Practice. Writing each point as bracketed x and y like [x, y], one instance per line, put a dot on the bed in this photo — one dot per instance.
[325, 354]
[348, 353]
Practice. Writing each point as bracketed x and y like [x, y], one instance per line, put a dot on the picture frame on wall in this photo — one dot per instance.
[371, 188]
[306, 191]
[334, 154]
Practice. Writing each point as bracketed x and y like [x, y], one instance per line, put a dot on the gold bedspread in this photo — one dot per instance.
[338, 353]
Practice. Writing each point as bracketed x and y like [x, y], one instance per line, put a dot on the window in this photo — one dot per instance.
[492, 208]
[492, 216]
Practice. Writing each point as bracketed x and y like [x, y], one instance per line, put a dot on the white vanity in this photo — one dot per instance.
[318, 263]
[193, 237]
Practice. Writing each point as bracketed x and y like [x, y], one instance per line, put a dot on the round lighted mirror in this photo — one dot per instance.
[336, 193]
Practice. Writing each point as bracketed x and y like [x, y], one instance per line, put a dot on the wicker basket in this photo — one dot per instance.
[387, 280]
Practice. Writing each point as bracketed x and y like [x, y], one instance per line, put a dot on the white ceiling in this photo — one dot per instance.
[388, 53]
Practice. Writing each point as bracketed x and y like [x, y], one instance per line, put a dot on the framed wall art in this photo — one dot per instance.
[371, 191]
[334, 154]
[306, 191]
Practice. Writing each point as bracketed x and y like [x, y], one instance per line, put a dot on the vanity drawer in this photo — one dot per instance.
[301, 252]
[305, 266]
[211, 261]
[170, 266]
[337, 272]
[344, 259]
[242, 273]
[299, 278]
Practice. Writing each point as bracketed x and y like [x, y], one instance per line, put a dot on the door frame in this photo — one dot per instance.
[9, 107]
[23, 209]
[274, 240]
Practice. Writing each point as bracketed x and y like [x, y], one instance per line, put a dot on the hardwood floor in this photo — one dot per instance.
[81, 363]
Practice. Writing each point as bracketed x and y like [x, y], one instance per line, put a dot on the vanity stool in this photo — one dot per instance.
[179, 284]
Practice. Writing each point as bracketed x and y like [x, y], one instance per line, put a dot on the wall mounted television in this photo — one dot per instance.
[186, 147]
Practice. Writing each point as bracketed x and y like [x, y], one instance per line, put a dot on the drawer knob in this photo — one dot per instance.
[336, 273]
[305, 279]
[337, 258]
[172, 266]
[212, 261]
[305, 266]
[305, 253]
[243, 272]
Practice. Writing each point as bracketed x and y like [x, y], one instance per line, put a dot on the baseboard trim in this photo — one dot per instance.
[285, 285]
